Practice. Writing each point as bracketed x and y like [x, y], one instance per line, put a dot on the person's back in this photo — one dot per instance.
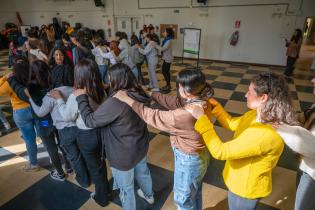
[122, 129]
[137, 57]
[49, 105]
[152, 52]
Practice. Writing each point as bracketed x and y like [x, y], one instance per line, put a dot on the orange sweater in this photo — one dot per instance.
[5, 89]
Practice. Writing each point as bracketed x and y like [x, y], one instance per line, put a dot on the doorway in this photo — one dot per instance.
[129, 25]
[307, 53]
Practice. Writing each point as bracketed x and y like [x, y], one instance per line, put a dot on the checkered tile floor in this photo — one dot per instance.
[28, 191]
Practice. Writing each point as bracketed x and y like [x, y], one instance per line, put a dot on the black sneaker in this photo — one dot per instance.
[56, 176]
[92, 197]
[166, 88]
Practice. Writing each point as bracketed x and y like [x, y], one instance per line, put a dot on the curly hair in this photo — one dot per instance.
[278, 107]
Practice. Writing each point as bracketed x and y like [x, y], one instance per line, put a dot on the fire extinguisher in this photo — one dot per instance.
[234, 38]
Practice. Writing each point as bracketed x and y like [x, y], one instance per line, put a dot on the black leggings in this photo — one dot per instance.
[140, 76]
[166, 72]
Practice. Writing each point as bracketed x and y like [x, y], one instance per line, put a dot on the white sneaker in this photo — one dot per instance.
[7, 126]
[150, 199]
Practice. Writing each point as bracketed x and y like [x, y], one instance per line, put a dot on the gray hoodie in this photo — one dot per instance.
[50, 105]
[125, 54]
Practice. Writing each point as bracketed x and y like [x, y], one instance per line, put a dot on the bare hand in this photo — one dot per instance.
[27, 93]
[9, 75]
[195, 109]
[153, 44]
[79, 92]
[123, 96]
[56, 94]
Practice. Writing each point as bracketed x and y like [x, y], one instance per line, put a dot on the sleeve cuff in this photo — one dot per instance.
[203, 124]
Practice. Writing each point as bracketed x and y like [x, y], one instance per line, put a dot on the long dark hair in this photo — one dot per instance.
[194, 82]
[278, 108]
[296, 37]
[40, 72]
[21, 69]
[122, 78]
[66, 60]
[86, 74]
[43, 45]
[134, 40]
[169, 32]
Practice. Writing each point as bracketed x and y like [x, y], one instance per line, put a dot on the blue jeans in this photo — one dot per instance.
[188, 174]
[135, 71]
[239, 203]
[24, 120]
[305, 192]
[103, 70]
[124, 180]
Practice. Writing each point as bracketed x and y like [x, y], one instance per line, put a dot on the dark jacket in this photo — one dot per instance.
[44, 124]
[61, 75]
[124, 133]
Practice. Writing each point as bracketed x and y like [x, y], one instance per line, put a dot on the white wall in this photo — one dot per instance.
[262, 32]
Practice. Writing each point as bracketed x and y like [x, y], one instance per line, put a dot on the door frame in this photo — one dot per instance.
[128, 16]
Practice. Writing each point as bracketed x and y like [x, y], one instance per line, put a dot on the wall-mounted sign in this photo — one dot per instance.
[237, 24]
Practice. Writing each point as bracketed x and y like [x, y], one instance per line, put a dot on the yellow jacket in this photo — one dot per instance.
[5, 89]
[250, 156]
[69, 30]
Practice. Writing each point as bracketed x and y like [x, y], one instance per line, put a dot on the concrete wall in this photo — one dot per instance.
[264, 23]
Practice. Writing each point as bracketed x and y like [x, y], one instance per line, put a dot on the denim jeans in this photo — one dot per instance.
[124, 180]
[239, 203]
[103, 71]
[68, 141]
[305, 192]
[188, 174]
[90, 144]
[24, 120]
[135, 71]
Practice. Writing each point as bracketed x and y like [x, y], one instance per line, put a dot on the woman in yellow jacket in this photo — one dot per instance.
[22, 112]
[256, 147]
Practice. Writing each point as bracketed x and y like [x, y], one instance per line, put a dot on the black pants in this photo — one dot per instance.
[290, 66]
[68, 141]
[166, 72]
[52, 149]
[64, 154]
[90, 144]
[47, 133]
[140, 76]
